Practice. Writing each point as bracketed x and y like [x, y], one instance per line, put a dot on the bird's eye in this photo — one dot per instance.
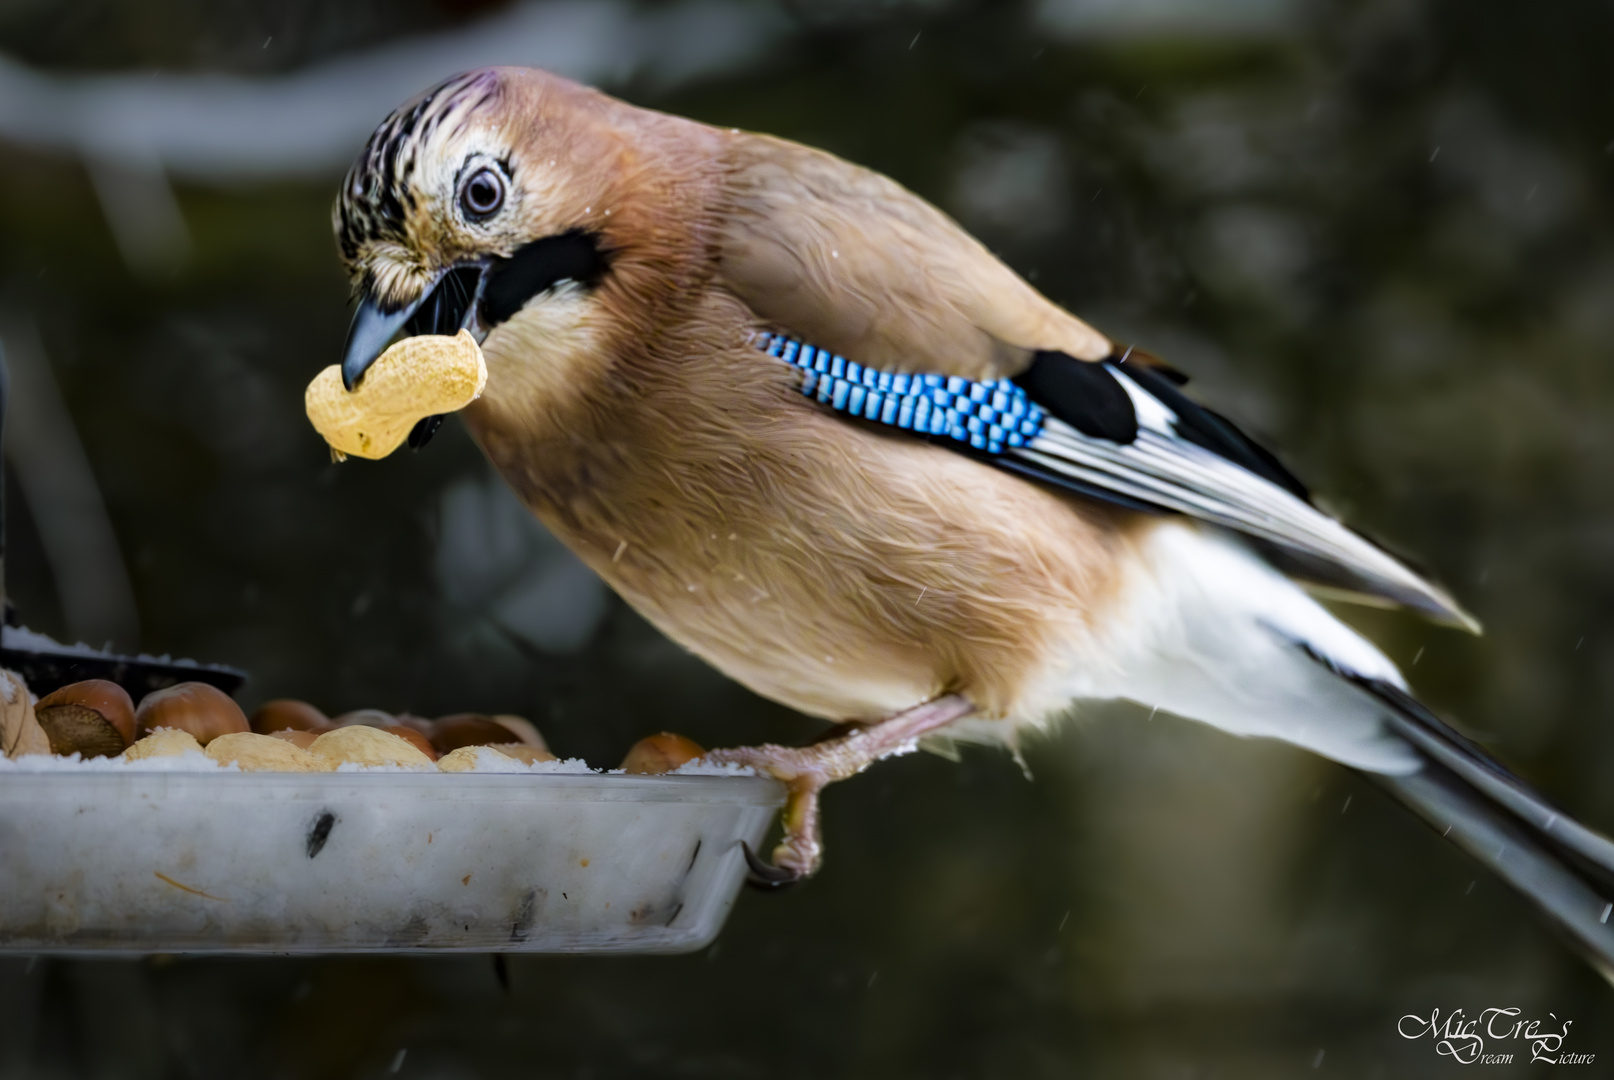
[482, 195]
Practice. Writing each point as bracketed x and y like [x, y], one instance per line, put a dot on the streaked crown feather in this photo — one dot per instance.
[378, 193]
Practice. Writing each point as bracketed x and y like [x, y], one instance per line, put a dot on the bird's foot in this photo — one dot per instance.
[806, 771]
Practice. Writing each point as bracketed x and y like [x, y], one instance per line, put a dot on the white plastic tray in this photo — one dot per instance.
[228, 862]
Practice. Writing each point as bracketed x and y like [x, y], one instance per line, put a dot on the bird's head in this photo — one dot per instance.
[488, 190]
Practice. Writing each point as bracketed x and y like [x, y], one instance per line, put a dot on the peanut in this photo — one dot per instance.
[166, 742]
[368, 746]
[415, 378]
[20, 732]
[265, 753]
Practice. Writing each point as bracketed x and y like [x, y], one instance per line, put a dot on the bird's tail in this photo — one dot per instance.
[1564, 868]
[1221, 636]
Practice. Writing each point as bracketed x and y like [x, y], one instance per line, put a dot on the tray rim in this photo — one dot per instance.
[761, 791]
[123, 792]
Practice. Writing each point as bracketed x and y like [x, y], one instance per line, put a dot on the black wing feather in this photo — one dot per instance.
[1213, 431]
[1126, 434]
[1081, 394]
[1086, 396]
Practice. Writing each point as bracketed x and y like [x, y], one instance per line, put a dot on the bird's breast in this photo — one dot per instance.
[844, 571]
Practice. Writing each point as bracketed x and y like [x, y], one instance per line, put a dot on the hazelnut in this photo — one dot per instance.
[368, 746]
[521, 728]
[205, 711]
[169, 742]
[486, 758]
[365, 717]
[660, 753]
[467, 729]
[419, 723]
[287, 714]
[94, 718]
[252, 752]
[527, 755]
[413, 736]
[300, 739]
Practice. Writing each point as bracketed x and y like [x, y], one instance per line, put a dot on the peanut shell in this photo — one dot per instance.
[300, 739]
[165, 742]
[252, 752]
[462, 760]
[368, 746]
[417, 377]
[523, 752]
[20, 732]
[469, 758]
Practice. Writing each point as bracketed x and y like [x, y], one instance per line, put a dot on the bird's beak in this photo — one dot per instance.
[373, 327]
[443, 307]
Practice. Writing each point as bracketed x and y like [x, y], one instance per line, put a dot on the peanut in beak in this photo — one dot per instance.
[415, 378]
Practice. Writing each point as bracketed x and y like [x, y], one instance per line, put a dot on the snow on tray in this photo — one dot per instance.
[22, 639]
[487, 761]
[705, 768]
[72, 763]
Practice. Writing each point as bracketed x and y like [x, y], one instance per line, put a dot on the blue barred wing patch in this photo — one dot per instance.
[1156, 468]
[993, 415]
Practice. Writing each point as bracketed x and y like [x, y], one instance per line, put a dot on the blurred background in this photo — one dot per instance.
[1377, 234]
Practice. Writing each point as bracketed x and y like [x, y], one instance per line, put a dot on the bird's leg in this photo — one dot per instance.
[807, 770]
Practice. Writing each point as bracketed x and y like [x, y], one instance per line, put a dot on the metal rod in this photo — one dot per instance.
[5, 395]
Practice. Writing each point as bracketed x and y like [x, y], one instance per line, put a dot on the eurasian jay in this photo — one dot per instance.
[822, 438]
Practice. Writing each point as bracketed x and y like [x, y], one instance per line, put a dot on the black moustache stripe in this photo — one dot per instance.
[539, 266]
[445, 309]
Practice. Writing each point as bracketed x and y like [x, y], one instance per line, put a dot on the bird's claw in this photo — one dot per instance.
[799, 853]
[806, 771]
[765, 875]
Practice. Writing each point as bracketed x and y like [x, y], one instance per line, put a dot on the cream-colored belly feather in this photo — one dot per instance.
[844, 571]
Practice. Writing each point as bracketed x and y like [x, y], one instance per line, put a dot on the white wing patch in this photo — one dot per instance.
[1209, 631]
[1162, 468]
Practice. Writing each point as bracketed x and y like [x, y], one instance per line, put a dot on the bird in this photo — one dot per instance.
[821, 437]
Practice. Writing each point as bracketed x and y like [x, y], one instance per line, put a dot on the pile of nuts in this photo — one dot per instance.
[96, 718]
[417, 377]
